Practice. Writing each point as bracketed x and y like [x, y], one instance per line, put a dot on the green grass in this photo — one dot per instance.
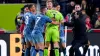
[8, 13]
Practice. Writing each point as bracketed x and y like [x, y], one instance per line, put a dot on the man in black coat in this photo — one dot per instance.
[79, 30]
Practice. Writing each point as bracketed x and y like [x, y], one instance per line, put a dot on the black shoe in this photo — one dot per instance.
[83, 55]
[23, 51]
[22, 54]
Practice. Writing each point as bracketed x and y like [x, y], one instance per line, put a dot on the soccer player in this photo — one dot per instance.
[57, 7]
[40, 22]
[18, 20]
[29, 24]
[24, 9]
[62, 34]
[52, 31]
[49, 5]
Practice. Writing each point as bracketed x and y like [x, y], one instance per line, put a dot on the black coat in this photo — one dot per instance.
[79, 29]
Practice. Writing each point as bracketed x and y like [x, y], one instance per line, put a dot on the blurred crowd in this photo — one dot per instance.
[91, 11]
[90, 8]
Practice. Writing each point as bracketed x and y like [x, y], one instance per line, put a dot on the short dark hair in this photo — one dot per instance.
[55, 4]
[25, 6]
[30, 6]
[78, 4]
[49, 1]
[22, 9]
[42, 7]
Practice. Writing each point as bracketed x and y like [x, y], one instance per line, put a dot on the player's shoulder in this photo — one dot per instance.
[49, 11]
[43, 16]
[46, 17]
[38, 15]
[59, 13]
[27, 13]
[55, 11]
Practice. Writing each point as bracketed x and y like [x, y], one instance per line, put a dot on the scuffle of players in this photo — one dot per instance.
[51, 22]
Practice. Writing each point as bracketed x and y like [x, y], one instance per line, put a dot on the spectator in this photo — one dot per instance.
[68, 18]
[85, 7]
[97, 11]
[88, 24]
[83, 4]
[87, 20]
[84, 13]
[95, 16]
[70, 7]
[97, 24]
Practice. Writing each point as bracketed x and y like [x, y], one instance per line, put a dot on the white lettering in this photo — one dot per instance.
[3, 48]
[93, 51]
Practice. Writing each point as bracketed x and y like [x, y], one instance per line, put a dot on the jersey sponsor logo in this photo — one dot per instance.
[92, 51]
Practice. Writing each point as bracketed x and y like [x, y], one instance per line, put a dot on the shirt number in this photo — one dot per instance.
[26, 19]
[38, 19]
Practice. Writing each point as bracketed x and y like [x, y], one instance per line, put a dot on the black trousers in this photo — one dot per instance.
[75, 47]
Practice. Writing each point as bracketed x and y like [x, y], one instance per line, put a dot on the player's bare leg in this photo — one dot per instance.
[23, 46]
[32, 48]
[27, 51]
[63, 45]
[64, 48]
[23, 49]
[41, 48]
[46, 48]
[56, 48]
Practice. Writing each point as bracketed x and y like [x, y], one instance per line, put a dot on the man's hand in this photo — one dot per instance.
[76, 15]
[53, 19]
[55, 22]
[73, 11]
